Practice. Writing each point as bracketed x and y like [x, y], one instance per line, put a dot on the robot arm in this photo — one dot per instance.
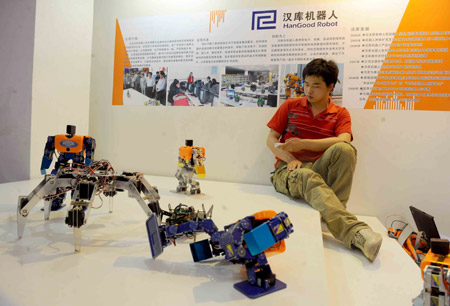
[241, 240]
[48, 154]
[162, 235]
[198, 156]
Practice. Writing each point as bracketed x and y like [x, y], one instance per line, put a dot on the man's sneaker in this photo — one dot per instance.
[368, 242]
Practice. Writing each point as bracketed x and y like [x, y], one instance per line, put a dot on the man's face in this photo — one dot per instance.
[316, 90]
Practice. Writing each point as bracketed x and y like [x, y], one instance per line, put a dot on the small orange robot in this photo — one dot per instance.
[190, 162]
[73, 150]
[435, 269]
[293, 81]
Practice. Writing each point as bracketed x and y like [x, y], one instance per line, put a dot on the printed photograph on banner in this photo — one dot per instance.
[292, 83]
[249, 86]
[193, 86]
[140, 86]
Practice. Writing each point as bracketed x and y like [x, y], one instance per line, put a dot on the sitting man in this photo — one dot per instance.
[310, 138]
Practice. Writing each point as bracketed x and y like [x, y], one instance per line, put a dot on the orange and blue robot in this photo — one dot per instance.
[75, 151]
[247, 241]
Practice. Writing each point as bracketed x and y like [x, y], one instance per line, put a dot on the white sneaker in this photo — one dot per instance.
[368, 242]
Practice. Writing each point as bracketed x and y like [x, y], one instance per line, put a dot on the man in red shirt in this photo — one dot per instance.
[310, 138]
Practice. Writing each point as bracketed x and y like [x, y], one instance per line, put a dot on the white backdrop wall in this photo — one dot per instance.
[402, 156]
[16, 58]
[61, 72]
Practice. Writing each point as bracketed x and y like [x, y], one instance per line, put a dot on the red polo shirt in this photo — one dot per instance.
[294, 118]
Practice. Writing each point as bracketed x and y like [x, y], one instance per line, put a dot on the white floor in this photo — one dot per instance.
[115, 266]
[392, 279]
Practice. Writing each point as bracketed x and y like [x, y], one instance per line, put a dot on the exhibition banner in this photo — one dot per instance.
[391, 55]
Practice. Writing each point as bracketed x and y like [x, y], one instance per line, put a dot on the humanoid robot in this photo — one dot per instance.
[190, 162]
[247, 242]
[292, 81]
[74, 151]
[435, 268]
[76, 172]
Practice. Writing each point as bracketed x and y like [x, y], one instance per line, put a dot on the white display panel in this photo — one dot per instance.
[392, 59]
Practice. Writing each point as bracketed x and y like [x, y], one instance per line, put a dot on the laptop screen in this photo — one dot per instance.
[425, 222]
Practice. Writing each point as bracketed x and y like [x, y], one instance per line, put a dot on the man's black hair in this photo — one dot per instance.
[328, 70]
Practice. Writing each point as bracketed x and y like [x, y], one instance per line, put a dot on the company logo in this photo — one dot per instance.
[215, 17]
[68, 144]
[264, 20]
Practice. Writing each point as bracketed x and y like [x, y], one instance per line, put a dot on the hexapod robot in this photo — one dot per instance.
[75, 172]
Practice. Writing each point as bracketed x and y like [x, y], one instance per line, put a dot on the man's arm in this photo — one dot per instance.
[272, 139]
[298, 144]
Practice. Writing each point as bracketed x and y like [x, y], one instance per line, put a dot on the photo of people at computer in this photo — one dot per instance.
[292, 83]
[193, 86]
[253, 86]
[145, 86]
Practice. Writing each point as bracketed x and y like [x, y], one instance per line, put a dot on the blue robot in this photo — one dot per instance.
[78, 149]
[246, 242]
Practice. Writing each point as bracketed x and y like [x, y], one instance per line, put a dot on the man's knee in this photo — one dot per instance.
[343, 150]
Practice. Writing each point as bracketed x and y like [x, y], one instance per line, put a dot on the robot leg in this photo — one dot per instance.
[182, 180]
[58, 202]
[77, 216]
[26, 203]
[195, 187]
[260, 281]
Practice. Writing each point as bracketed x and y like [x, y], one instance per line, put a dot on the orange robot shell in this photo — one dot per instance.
[278, 247]
[435, 260]
[69, 145]
[186, 152]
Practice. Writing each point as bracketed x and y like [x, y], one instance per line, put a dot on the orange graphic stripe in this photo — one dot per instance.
[417, 63]
[121, 61]
[216, 17]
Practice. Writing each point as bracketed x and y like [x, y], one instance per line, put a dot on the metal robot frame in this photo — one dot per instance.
[85, 183]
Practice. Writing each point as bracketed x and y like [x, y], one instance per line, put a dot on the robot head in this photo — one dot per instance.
[70, 129]
[189, 143]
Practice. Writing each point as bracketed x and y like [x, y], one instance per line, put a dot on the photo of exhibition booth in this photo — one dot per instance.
[193, 87]
[255, 86]
[140, 86]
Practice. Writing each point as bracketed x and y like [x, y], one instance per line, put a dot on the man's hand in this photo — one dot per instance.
[292, 145]
[294, 164]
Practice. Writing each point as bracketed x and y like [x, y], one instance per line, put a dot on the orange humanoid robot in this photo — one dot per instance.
[435, 269]
[293, 81]
[190, 162]
[78, 149]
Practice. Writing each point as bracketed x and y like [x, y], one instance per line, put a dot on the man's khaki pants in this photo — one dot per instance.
[325, 185]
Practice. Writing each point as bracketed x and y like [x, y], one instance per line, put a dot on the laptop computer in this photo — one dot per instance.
[424, 222]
